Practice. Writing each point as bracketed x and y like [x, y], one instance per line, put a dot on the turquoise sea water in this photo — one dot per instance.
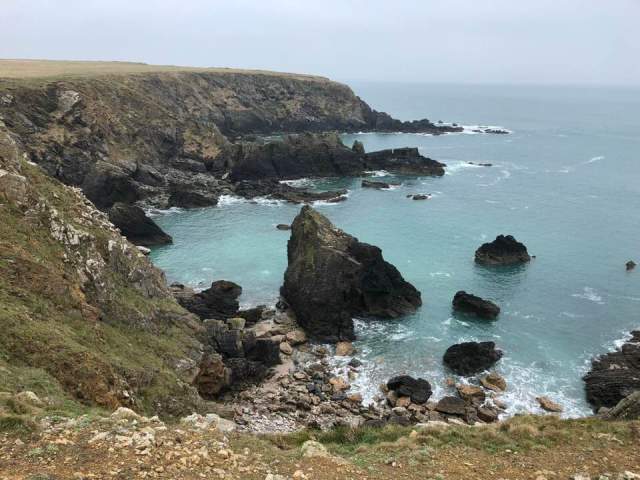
[566, 182]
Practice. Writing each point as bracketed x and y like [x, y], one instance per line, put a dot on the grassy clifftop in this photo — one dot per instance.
[86, 319]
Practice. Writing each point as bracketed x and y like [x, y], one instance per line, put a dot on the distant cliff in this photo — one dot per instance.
[144, 135]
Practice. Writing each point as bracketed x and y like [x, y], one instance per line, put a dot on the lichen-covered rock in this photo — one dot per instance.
[504, 250]
[614, 375]
[469, 358]
[332, 277]
[137, 226]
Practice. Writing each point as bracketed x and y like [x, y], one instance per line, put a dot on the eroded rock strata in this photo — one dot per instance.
[614, 375]
[332, 277]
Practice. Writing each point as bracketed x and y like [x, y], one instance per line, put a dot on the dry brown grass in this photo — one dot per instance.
[47, 69]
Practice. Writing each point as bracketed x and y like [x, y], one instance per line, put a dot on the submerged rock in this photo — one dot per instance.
[417, 389]
[137, 226]
[469, 358]
[283, 226]
[614, 375]
[466, 302]
[420, 196]
[220, 301]
[375, 184]
[332, 277]
[504, 250]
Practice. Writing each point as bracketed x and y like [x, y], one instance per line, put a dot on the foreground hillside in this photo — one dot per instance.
[126, 446]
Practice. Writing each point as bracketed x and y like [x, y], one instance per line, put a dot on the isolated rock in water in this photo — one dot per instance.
[405, 161]
[630, 265]
[504, 250]
[137, 226]
[614, 375]
[418, 389]
[374, 184]
[220, 301]
[283, 226]
[332, 277]
[420, 196]
[494, 381]
[471, 357]
[188, 198]
[549, 405]
[627, 409]
[466, 302]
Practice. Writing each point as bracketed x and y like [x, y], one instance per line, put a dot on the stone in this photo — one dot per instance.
[468, 303]
[487, 414]
[134, 224]
[339, 384]
[358, 147]
[375, 184]
[614, 375]
[630, 265]
[451, 406]
[417, 389]
[332, 277]
[252, 315]
[420, 196]
[344, 349]
[355, 398]
[124, 413]
[469, 358]
[471, 394]
[29, 398]
[311, 448]
[504, 250]
[494, 381]
[549, 405]
[403, 402]
[283, 226]
[296, 337]
[213, 376]
[286, 348]
[220, 301]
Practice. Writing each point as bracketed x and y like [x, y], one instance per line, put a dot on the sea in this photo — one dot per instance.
[565, 181]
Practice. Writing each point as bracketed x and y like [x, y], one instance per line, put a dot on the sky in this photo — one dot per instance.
[578, 42]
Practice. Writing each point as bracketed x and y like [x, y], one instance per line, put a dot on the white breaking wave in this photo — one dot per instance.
[156, 212]
[590, 294]
[226, 200]
[458, 166]
[377, 173]
[595, 159]
[299, 182]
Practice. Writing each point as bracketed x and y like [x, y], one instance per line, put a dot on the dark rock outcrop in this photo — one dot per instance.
[504, 250]
[466, 302]
[271, 188]
[220, 301]
[630, 265]
[614, 375]
[137, 226]
[375, 184]
[332, 277]
[405, 161]
[469, 358]
[417, 389]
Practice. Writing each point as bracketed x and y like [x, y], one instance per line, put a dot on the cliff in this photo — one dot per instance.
[85, 317]
[135, 133]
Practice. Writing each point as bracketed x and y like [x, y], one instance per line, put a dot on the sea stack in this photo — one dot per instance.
[504, 250]
[468, 303]
[332, 277]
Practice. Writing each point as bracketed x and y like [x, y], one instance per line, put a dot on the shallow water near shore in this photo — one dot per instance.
[565, 182]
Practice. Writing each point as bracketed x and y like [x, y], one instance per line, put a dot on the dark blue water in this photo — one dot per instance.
[566, 182]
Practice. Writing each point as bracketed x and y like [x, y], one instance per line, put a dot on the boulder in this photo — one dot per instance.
[137, 226]
[451, 406]
[420, 196]
[417, 389]
[504, 250]
[252, 315]
[468, 303]
[630, 265]
[469, 358]
[358, 147]
[614, 375]
[471, 394]
[344, 349]
[265, 351]
[627, 409]
[494, 381]
[187, 198]
[296, 337]
[219, 301]
[213, 376]
[549, 405]
[488, 414]
[332, 277]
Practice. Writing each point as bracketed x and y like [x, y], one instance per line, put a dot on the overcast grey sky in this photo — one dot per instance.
[463, 41]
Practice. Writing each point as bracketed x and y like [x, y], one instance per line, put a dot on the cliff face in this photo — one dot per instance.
[84, 315]
[149, 137]
[133, 137]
